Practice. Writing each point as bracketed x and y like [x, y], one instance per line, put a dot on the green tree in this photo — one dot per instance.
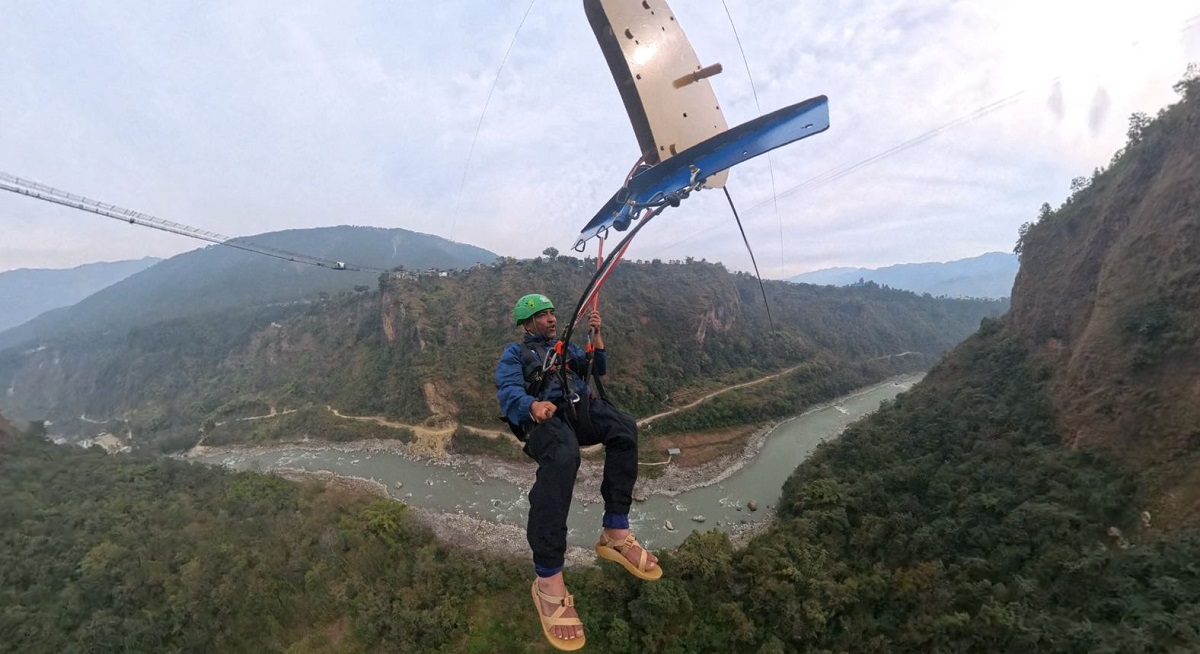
[1191, 79]
[1138, 122]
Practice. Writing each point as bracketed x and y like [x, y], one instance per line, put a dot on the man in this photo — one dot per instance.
[556, 422]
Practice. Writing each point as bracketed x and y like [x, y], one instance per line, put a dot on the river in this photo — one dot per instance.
[463, 489]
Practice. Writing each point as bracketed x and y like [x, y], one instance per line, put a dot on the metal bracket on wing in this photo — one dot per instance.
[723, 151]
[581, 244]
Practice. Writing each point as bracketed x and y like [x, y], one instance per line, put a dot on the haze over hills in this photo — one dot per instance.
[28, 292]
[987, 275]
[217, 277]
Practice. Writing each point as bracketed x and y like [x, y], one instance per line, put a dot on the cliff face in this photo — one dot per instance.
[1108, 295]
[7, 432]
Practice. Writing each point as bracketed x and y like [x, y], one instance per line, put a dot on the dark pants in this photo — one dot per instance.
[554, 444]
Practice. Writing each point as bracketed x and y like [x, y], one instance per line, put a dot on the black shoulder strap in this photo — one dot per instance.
[531, 370]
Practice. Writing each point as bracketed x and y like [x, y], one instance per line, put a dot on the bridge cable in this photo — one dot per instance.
[37, 191]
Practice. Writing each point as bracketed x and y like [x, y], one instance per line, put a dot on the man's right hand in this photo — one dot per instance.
[542, 411]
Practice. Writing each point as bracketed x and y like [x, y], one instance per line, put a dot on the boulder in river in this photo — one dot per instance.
[697, 518]
[399, 484]
[639, 497]
[752, 505]
[668, 526]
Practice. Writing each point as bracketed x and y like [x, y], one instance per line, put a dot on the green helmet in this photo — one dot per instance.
[529, 305]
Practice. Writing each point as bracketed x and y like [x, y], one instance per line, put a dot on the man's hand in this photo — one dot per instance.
[542, 411]
[594, 324]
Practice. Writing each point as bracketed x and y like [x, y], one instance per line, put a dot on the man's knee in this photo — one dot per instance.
[614, 420]
[621, 435]
[560, 454]
[626, 426]
[553, 444]
[629, 424]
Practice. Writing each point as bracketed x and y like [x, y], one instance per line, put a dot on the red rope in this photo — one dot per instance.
[594, 294]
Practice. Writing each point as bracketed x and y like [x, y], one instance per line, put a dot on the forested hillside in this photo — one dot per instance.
[952, 520]
[130, 554]
[426, 346]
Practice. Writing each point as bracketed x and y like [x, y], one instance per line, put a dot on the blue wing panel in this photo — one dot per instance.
[711, 156]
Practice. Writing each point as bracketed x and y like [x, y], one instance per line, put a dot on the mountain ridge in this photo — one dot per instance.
[26, 293]
[989, 275]
[217, 277]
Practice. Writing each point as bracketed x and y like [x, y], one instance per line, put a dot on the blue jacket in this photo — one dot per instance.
[510, 376]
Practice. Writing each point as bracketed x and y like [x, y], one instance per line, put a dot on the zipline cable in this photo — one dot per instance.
[770, 170]
[838, 173]
[834, 174]
[762, 287]
[770, 162]
[471, 152]
[38, 191]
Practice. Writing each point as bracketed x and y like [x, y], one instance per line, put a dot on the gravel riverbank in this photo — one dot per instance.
[466, 531]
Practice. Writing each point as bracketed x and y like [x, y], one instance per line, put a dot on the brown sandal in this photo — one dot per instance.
[613, 550]
[556, 619]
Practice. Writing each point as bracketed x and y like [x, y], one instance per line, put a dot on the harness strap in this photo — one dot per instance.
[537, 369]
[569, 395]
[589, 354]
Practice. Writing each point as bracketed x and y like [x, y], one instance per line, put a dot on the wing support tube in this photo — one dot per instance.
[709, 157]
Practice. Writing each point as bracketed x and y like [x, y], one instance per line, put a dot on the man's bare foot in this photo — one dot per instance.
[555, 586]
[633, 554]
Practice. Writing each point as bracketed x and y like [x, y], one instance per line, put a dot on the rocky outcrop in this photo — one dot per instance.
[719, 316]
[439, 399]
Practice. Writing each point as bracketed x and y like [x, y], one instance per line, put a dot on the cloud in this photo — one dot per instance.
[1099, 111]
[1055, 101]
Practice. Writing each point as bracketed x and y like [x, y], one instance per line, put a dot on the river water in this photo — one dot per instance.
[463, 490]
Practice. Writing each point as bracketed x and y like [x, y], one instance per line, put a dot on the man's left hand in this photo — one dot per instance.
[594, 322]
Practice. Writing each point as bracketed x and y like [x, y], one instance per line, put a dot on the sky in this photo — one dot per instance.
[244, 117]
